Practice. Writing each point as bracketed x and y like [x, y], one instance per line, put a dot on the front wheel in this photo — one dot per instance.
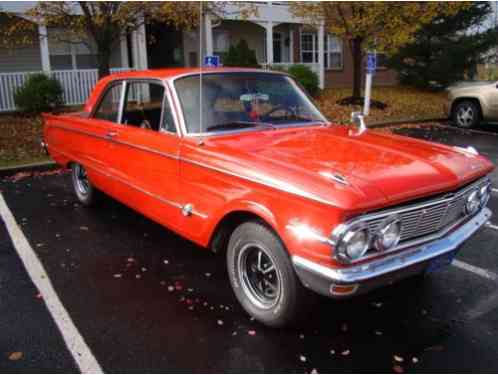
[262, 276]
[86, 193]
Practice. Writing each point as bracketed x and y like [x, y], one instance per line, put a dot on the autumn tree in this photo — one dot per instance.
[103, 22]
[384, 26]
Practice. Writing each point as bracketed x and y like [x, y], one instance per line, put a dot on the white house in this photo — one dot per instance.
[276, 36]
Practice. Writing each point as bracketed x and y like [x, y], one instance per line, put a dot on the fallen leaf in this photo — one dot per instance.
[220, 322]
[83, 228]
[344, 327]
[302, 358]
[171, 288]
[314, 371]
[415, 360]
[378, 333]
[15, 356]
[332, 351]
[398, 369]
[251, 332]
[345, 352]
[166, 261]
[397, 358]
[117, 275]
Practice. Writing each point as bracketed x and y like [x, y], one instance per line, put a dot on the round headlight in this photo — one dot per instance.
[352, 242]
[389, 234]
[484, 194]
[473, 203]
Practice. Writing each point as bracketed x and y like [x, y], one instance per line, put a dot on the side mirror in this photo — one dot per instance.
[358, 119]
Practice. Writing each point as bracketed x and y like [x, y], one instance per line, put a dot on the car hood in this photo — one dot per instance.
[470, 84]
[377, 168]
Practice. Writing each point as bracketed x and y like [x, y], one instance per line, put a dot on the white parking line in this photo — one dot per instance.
[73, 339]
[475, 270]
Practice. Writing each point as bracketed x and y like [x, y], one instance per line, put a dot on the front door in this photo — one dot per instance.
[145, 157]
[277, 47]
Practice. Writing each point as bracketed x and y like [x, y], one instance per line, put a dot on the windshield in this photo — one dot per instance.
[234, 101]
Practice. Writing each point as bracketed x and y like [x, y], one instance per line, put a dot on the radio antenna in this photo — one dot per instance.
[201, 114]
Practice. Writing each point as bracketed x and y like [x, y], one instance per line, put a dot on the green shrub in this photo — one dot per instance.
[306, 77]
[38, 94]
[240, 55]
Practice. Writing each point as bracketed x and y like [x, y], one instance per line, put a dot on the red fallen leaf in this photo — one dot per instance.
[15, 356]
[398, 369]
[188, 301]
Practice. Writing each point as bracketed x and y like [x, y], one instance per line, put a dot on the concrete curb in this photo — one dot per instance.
[31, 167]
[385, 124]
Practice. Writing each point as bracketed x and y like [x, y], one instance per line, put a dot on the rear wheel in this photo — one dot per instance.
[466, 114]
[262, 275]
[86, 193]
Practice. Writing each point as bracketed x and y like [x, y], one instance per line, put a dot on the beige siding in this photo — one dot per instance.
[25, 59]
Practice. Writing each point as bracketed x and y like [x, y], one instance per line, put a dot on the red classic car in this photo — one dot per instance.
[240, 161]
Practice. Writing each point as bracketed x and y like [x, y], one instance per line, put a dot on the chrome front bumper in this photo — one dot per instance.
[387, 270]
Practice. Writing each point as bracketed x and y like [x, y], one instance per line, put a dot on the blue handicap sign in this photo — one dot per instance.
[371, 62]
[212, 61]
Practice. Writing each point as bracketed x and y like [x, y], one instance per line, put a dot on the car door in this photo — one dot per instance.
[145, 152]
[93, 135]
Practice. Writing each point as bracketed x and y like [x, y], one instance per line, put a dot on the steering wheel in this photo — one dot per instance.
[145, 125]
[288, 111]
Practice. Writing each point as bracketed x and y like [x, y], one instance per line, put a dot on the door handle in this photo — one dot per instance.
[110, 135]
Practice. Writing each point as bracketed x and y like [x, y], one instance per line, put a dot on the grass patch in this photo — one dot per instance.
[20, 140]
[402, 103]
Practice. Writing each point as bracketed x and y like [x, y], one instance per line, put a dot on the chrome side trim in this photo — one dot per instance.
[117, 141]
[146, 192]
[396, 262]
[275, 185]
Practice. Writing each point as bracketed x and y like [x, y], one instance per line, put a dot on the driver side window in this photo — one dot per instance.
[143, 105]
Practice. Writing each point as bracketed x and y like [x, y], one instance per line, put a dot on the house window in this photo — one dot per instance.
[308, 43]
[333, 50]
[221, 41]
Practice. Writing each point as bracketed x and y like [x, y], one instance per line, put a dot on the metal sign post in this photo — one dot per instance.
[371, 66]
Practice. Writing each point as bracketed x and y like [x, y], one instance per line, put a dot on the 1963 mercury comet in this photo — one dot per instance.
[249, 167]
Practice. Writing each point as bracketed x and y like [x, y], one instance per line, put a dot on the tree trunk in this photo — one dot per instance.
[357, 66]
[104, 61]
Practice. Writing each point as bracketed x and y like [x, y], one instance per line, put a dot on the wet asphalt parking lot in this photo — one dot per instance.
[145, 300]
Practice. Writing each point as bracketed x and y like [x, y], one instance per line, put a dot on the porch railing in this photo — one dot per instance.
[76, 85]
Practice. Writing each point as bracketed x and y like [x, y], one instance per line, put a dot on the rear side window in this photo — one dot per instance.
[143, 105]
[108, 108]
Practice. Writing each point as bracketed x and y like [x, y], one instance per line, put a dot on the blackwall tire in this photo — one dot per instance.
[256, 259]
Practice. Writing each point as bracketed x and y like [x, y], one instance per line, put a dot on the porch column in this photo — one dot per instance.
[44, 51]
[142, 47]
[209, 34]
[269, 42]
[125, 60]
[321, 59]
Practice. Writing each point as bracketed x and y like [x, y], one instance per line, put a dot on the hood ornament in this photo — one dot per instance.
[359, 120]
[335, 177]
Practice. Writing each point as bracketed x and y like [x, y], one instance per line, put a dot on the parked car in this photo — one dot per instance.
[470, 103]
[249, 168]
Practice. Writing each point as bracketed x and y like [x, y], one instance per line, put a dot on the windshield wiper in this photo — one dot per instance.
[240, 124]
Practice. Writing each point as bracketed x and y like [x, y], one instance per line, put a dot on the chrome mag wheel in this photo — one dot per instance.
[81, 179]
[260, 278]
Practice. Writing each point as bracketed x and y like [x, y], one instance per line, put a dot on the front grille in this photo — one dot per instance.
[427, 217]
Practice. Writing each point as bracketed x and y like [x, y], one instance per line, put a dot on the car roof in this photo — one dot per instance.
[169, 73]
